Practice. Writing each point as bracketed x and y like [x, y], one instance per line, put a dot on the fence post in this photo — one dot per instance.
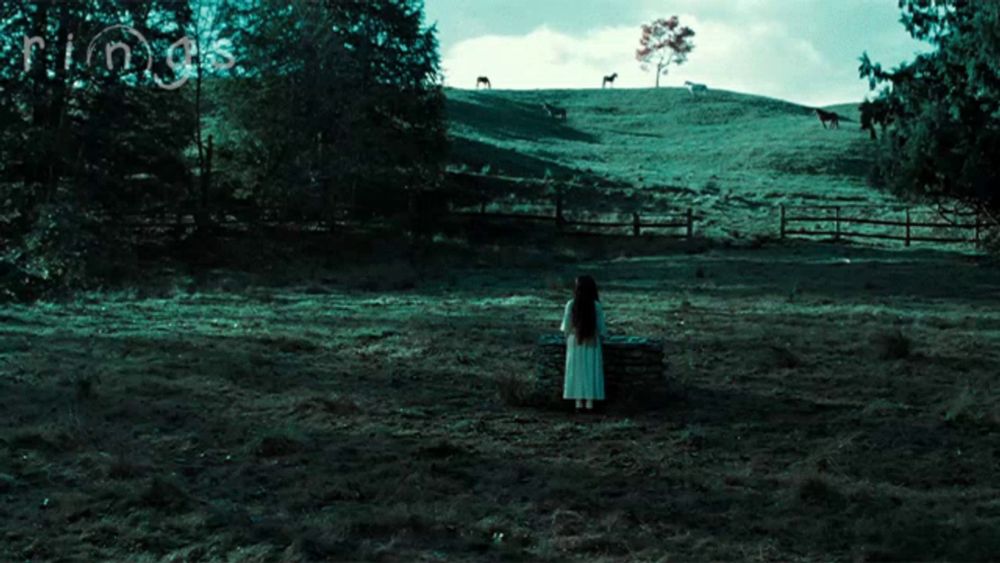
[907, 226]
[837, 236]
[782, 221]
[690, 223]
[559, 208]
[635, 224]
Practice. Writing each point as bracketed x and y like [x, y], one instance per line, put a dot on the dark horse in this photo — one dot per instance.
[610, 79]
[555, 112]
[484, 81]
[828, 117]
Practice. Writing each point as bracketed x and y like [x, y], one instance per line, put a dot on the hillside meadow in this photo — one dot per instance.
[824, 403]
[734, 158]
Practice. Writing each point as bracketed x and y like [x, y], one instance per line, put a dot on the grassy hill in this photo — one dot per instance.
[731, 156]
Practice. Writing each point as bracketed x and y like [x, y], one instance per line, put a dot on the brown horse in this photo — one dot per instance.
[485, 81]
[610, 79]
[828, 117]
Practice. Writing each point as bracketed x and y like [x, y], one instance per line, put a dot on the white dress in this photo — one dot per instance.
[584, 377]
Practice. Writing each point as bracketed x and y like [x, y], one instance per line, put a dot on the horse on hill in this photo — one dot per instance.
[609, 79]
[694, 87]
[485, 81]
[555, 111]
[828, 117]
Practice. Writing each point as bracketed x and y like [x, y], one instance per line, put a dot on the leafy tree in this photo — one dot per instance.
[337, 102]
[664, 42]
[940, 113]
[329, 102]
[208, 19]
[81, 141]
[83, 124]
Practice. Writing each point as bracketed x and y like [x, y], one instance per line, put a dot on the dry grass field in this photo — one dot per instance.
[825, 403]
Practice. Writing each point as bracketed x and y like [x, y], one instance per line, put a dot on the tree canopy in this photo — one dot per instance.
[325, 103]
[340, 98]
[664, 42]
[940, 113]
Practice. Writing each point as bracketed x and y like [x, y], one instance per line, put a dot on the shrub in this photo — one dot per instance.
[163, 494]
[692, 437]
[814, 490]
[327, 405]
[58, 436]
[84, 385]
[637, 401]
[279, 444]
[971, 407]
[516, 391]
[922, 535]
[315, 544]
[64, 247]
[124, 468]
[783, 358]
[991, 241]
[893, 346]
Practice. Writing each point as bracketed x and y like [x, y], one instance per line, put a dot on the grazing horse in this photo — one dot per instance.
[610, 79]
[694, 87]
[828, 117]
[485, 81]
[555, 111]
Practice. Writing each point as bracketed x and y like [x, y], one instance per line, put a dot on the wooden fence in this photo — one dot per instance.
[841, 223]
[152, 224]
[636, 226]
[840, 226]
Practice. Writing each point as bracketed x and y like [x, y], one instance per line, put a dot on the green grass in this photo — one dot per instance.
[734, 157]
[319, 419]
[824, 402]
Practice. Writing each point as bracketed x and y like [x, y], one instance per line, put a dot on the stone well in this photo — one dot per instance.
[633, 365]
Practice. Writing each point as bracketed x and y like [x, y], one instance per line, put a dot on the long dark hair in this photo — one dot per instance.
[584, 317]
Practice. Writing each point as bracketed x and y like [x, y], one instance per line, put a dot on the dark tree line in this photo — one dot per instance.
[940, 114]
[326, 104]
[353, 107]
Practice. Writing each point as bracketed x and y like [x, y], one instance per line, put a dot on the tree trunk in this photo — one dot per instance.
[56, 114]
[206, 174]
[202, 216]
[35, 169]
[199, 143]
[659, 69]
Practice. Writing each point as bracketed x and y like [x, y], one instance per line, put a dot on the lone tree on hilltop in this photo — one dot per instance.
[664, 42]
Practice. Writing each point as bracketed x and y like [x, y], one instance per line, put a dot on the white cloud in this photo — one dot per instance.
[761, 56]
[543, 58]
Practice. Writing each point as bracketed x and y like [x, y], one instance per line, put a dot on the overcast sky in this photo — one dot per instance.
[800, 50]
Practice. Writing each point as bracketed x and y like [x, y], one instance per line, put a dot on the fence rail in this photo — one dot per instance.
[234, 222]
[636, 225]
[907, 224]
[964, 228]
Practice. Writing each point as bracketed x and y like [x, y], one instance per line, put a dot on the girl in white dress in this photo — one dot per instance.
[583, 324]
